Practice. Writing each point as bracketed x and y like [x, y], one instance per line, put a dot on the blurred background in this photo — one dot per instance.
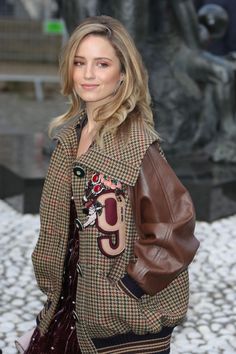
[189, 49]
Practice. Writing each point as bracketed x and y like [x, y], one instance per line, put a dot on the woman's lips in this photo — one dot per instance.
[89, 86]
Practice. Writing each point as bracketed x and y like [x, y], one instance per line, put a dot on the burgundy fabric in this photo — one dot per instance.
[61, 335]
[111, 211]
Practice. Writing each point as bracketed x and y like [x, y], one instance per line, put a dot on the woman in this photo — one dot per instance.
[118, 281]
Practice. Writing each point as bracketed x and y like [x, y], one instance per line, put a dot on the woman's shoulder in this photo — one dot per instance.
[68, 130]
[141, 133]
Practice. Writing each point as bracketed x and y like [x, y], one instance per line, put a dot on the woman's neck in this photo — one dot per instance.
[92, 125]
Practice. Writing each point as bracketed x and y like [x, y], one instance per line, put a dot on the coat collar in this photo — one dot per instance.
[115, 159]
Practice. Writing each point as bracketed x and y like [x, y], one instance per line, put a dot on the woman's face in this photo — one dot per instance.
[97, 70]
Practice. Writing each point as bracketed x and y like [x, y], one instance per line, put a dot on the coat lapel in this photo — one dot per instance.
[115, 159]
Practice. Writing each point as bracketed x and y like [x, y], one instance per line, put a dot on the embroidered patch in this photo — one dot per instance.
[111, 222]
[104, 205]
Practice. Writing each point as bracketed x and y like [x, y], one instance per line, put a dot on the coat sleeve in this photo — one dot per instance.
[165, 220]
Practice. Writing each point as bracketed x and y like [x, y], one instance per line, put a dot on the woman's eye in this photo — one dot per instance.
[102, 65]
[78, 63]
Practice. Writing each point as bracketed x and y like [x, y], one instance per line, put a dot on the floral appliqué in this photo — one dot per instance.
[99, 183]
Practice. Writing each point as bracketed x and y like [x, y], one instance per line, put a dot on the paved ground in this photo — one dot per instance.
[210, 327]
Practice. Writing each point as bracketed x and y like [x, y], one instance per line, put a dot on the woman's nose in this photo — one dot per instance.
[89, 71]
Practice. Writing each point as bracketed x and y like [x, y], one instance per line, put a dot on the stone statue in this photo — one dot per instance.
[194, 91]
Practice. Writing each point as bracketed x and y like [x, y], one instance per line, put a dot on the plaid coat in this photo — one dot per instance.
[102, 307]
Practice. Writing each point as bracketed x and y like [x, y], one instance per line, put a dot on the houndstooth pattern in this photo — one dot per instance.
[118, 160]
[102, 308]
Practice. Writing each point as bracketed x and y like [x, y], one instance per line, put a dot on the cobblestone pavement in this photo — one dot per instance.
[210, 325]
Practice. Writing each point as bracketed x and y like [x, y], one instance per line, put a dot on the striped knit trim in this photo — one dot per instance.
[151, 347]
[136, 343]
[130, 287]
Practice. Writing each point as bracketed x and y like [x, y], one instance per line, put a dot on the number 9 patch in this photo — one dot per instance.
[111, 223]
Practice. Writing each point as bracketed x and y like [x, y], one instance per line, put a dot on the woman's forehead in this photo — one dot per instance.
[95, 44]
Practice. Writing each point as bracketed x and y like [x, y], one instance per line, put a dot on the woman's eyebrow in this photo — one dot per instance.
[97, 58]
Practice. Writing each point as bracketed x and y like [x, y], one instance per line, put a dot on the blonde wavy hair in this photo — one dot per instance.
[131, 101]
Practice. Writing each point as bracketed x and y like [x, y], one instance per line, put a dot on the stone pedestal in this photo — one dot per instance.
[212, 186]
[23, 167]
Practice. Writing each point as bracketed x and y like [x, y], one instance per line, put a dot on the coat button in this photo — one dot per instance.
[79, 171]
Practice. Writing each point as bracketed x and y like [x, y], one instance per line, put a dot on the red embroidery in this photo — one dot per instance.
[104, 205]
